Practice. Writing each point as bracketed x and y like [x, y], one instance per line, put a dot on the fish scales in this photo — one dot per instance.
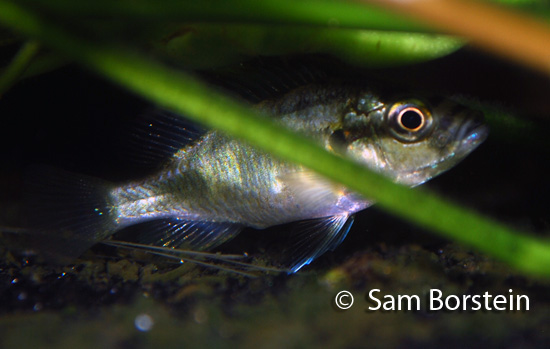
[212, 187]
[222, 179]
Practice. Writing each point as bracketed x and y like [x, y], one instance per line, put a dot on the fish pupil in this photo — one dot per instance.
[411, 119]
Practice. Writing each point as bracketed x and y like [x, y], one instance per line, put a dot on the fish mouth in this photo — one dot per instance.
[471, 135]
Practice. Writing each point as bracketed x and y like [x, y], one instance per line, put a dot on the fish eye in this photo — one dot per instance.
[409, 121]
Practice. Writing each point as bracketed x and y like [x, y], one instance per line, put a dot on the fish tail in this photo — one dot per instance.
[66, 213]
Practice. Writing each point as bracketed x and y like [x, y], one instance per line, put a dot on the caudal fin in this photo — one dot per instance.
[66, 213]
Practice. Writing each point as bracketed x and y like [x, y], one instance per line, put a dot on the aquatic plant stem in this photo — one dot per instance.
[179, 92]
[18, 65]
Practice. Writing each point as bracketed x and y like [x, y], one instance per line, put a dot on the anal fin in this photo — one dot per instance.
[194, 235]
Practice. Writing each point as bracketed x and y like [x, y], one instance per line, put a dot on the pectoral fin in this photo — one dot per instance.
[312, 189]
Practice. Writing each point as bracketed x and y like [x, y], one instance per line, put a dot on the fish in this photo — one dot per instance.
[211, 186]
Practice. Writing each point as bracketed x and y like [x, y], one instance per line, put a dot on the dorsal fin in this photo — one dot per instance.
[155, 136]
[268, 77]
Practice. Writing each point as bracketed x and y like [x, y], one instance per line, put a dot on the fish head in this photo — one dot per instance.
[412, 140]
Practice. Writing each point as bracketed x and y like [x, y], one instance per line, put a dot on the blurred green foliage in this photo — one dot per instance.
[208, 45]
[75, 30]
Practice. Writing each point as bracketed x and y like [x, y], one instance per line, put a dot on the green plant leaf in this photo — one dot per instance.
[179, 92]
[211, 45]
[310, 12]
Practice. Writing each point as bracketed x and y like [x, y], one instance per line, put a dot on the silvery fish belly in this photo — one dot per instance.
[212, 186]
